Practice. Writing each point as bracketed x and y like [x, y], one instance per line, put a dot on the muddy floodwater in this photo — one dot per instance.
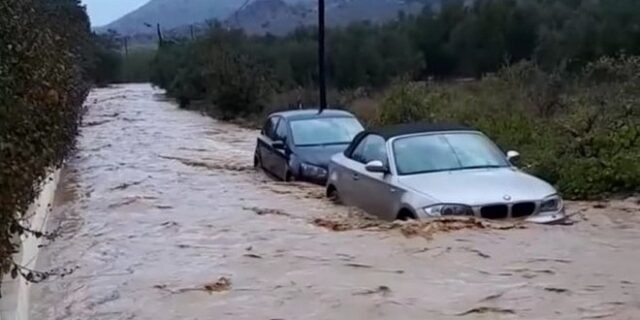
[163, 217]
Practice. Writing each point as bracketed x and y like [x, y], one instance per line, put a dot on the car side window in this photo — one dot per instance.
[372, 147]
[270, 127]
[281, 131]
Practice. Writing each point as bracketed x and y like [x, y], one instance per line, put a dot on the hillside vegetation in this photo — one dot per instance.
[557, 80]
[457, 41]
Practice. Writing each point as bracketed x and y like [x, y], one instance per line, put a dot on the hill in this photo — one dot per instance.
[257, 16]
[171, 14]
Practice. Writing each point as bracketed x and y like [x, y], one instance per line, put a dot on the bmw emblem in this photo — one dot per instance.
[507, 197]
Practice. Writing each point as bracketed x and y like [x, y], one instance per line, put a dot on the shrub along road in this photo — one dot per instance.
[164, 218]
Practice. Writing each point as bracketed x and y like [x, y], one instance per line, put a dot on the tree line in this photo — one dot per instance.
[116, 62]
[460, 40]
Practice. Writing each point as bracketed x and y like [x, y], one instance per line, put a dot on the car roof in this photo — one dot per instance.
[311, 114]
[388, 132]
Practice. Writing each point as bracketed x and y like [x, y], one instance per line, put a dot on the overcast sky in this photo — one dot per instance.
[102, 12]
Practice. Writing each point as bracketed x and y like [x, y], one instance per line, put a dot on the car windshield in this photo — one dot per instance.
[446, 152]
[324, 131]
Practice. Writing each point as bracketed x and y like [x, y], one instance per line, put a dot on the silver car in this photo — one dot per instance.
[423, 171]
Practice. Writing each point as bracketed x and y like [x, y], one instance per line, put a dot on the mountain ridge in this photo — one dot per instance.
[276, 17]
[170, 14]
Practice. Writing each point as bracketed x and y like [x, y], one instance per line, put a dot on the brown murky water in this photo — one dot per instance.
[165, 219]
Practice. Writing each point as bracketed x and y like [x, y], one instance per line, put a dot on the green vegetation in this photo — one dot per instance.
[45, 71]
[112, 63]
[220, 64]
[107, 62]
[458, 41]
[579, 131]
[219, 69]
[136, 65]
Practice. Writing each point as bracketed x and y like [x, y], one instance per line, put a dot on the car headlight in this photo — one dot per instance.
[310, 170]
[441, 210]
[551, 204]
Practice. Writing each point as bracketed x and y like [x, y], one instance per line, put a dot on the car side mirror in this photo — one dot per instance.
[278, 144]
[513, 156]
[376, 166]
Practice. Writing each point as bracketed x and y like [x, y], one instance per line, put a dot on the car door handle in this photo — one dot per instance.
[356, 176]
[393, 190]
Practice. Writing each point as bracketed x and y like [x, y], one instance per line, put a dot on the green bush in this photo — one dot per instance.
[136, 66]
[43, 84]
[580, 132]
[237, 85]
[177, 69]
[217, 68]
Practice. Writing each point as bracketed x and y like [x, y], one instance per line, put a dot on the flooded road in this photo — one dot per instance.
[164, 218]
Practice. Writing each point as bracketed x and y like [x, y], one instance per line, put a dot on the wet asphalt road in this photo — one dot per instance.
[164, 218]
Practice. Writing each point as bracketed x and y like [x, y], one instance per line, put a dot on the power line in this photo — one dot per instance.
[238, 11]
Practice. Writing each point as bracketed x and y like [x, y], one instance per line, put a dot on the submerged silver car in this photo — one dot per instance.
[423, 171]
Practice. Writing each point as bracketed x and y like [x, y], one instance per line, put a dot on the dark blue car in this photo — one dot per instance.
[298, 145]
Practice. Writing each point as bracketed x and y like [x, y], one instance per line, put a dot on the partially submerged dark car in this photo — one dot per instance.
[299, 144]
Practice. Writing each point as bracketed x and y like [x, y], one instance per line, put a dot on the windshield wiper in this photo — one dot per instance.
[321, 144]
[454, 169]
[495, 166]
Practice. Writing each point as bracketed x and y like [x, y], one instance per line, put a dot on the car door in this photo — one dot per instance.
[281, 155]
[372, 190]
[265, 144]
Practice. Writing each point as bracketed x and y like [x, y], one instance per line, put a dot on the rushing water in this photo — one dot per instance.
[164, 218]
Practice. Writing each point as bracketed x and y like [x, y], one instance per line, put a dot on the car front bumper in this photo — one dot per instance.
[555, 217]
[549, 217]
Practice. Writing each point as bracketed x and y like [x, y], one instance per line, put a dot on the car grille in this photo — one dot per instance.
[524, 209]
[495, 212]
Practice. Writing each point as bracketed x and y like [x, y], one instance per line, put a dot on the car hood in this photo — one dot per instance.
[319, 155]
[478, 186]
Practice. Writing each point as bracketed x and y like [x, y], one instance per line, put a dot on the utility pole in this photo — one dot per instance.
[159, 35]
[126, 46]
[321, 56]
[193, 36]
